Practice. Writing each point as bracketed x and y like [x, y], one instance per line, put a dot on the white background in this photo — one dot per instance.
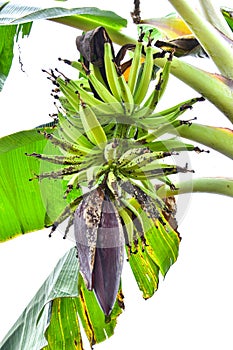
[193, 308]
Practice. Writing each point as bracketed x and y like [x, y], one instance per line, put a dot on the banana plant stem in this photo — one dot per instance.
[219, 139]
[217, 45]
[86, 24]
[222, 186]
[213, 15]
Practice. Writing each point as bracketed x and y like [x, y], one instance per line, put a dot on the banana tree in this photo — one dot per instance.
[104, 160]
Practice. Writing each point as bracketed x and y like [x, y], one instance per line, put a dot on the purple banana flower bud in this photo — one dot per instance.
[100, 245]
[86, 222]
[109, 257]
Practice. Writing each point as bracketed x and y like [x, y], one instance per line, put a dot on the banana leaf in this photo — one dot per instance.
[18, 18]
[12, 13]
[173, 26]
[146, 272]
[8, 35]
[228, 15]
[52, 313]
[24, 203]
[28, 331]
[170, 26]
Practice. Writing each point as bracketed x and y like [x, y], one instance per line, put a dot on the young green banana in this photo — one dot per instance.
[103, 92]
[152, 171]
[161, 130]
[96, 71]
[153, 99]
[155, 123]
[134, 69]
[126, 95]
[111, 71]
[70, 160]
[164, 76]
[98, 105]
[73, 134]
[116, 80]
[173, 145]
[144, 81]
[180, 107]
[69, 93]
[64, 145]
[130, 154]
[92, 127]
[145, 159]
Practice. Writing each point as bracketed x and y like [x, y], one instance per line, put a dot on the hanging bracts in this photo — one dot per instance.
[100, 246]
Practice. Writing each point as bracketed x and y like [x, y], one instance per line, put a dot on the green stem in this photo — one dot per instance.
[214, 15]
[223, 186]
[86, 24]
[219, 139]
[217, 45]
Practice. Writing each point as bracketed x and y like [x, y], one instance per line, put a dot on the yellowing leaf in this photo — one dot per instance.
[170, 26]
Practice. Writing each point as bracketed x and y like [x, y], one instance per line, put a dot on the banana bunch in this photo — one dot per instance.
[108, 136]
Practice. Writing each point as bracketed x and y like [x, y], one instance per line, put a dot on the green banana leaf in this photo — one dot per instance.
[228, 15]
[97, 327]
[24, 206]
[173, 26]
[16, 18]
[163, 244]
[64, 317]
[61, 294]
[28, 331]
[8, 35]
[12, 13]
[146, 272]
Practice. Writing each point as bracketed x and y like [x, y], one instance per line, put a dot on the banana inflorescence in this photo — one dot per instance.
[108, 134]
